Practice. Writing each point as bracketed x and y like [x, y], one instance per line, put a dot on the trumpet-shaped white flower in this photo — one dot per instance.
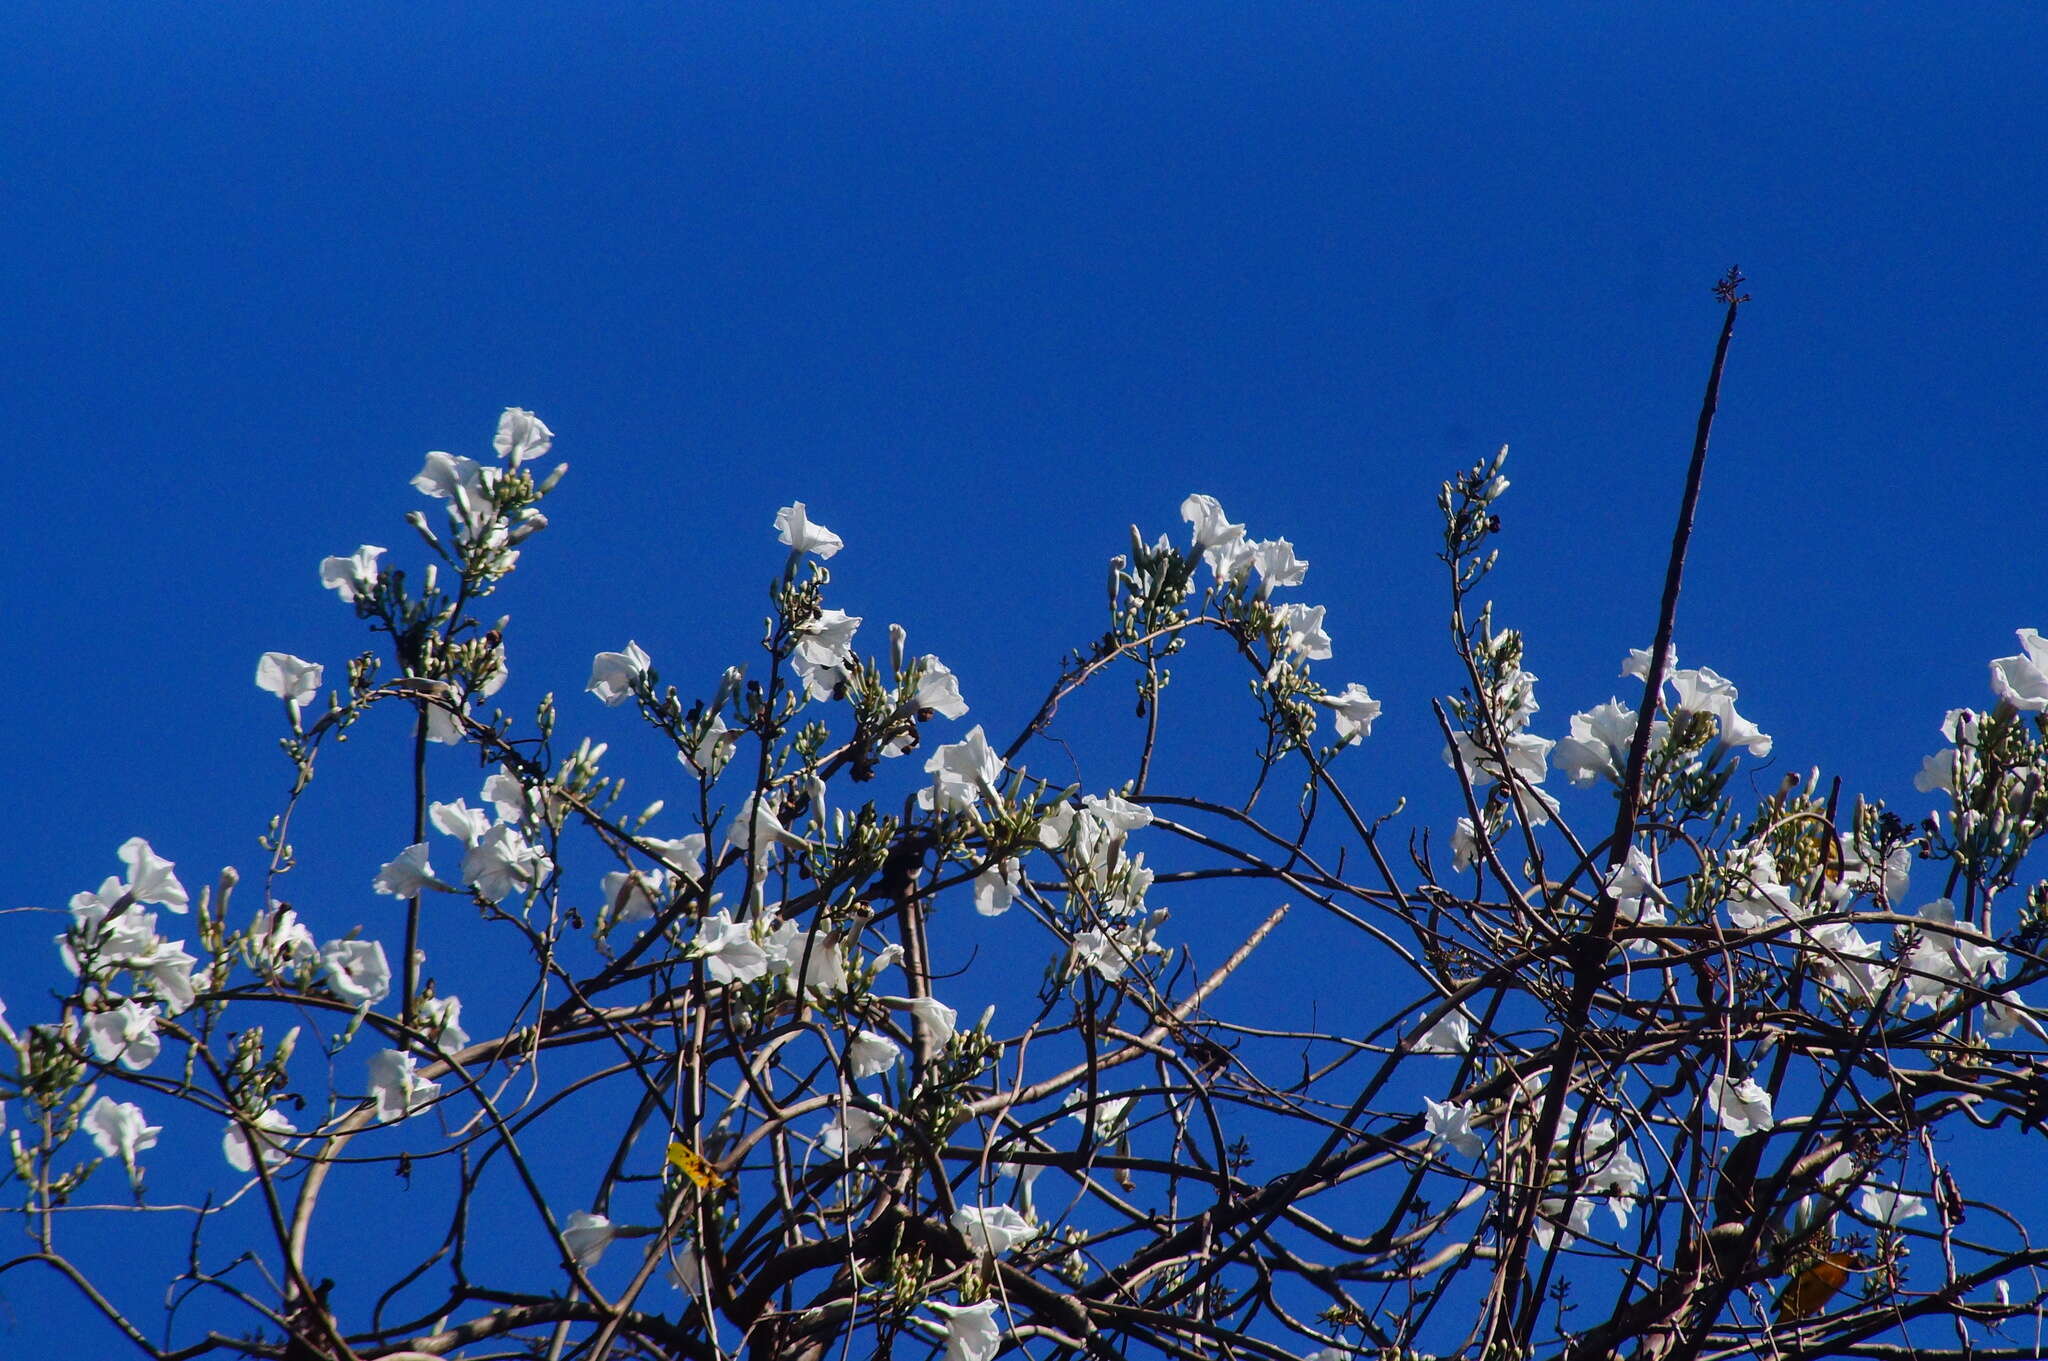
[729, 950]
[938, 689]
[1842, 959]
[971, 1330]
[940, 1021]
[993, 1231]
[1222, 544]
[521, 436]
[168, 968]
[278, 940]
[1598, 746]
[1465, 845]
[150, 879]
[633, 895]
[1450, 1035]
[851, 1129]
[1888, 1206]
[289, 677]
[613, 675]
[463, 484]
[794, 526]
[1449, 1124]
[127, 1033]
[684, 854]
[119, 1130]
[996, 886]
[2022, 681]
[1304, 629]
[1705, 691]
[1742, 1107]
[1277, 565]
[1355, 711]
[271, 1130]
[356, 971]
[962, 772]
[407, 876]
[868, 1054]
[588, 1235]
[354, 576]
[503, 861]
[441, 1019]
[1948, 956]
[399, 1090]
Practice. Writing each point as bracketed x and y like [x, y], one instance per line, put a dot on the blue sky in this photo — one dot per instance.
[983, 284]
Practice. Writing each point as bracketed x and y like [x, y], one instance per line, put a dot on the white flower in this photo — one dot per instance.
[631, 895]
[441, 1019]
[996, 886]
[1756, 898]
[827, 640]
[1553, 1228]
[1948, 956]
[1528, 756]
[461, 482]
[1704, 691]
[127, 1033]
[399, 1090]
[503, 861]
[1742, 1107]
[149, 877]
[962, 771]
[705, 754]
[1937, 772]
[588, 1235]
[1113, 953]
[993, 1231]
[353, 576]
[1598, 745]
[683, 854]
[1450, 1123]
[940, 1021]
[614, 674]
[1637, 899]
[356, 971]
[1465, 845]
[1212, 527]
[288, 677]
[1844, 960]
[971, 1331]
[1355, 711]
[729, 950]
[2022, 681]
[854, 1128]
[408, 875]
[460, 821]
[1451, 1035]
[1277, 565]
[1305, 636]
[271, 1130]
[119, 1130]
[1887, 1206]
[938, 689]
[868, 1053]
[277, 940]
[1638, 663]
[804, 535]
[521, 436]
[169, 970]
[1109, 1118]
[759, 833]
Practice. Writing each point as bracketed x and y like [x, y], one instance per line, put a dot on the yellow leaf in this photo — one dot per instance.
[691, 1164]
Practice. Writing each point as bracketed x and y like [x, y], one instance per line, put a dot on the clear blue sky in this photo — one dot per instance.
[983, 284]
